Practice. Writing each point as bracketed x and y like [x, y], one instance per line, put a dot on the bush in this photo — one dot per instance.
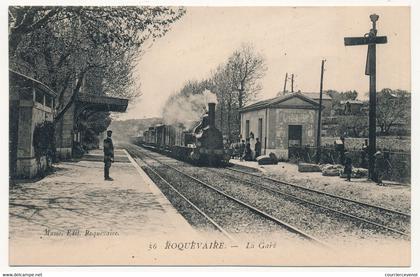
[44, 142]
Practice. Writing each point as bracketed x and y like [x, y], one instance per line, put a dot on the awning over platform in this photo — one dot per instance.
[104, 103]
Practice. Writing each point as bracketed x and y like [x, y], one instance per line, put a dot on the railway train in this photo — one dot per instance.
[202, 144]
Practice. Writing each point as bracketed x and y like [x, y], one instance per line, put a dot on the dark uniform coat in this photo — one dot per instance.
[347, 165]
[257, 149]
[108, 150]
[247, 153]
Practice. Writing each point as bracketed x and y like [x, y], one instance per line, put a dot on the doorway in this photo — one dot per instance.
[295, 135]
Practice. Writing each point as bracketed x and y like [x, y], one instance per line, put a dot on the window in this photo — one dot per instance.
[260, 124]
[247, 129]
[48, 101]
[39, 97]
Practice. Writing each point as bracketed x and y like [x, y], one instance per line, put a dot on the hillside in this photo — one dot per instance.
[122, 130]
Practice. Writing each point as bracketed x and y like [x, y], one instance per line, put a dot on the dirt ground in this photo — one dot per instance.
[392, 196]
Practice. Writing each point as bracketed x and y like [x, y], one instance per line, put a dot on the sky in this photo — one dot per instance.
[292, 40]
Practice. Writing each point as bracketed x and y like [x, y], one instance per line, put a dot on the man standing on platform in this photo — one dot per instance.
[108, 155]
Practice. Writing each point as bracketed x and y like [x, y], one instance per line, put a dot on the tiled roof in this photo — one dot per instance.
[315, 95]
[278, 99]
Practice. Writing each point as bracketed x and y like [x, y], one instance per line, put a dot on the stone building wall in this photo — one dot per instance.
[278, 132]
[30, 114]
[253, 117]
[30, 103]
[286, 117]
[282, 112]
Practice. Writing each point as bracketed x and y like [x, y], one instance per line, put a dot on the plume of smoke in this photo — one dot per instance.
[187, 109]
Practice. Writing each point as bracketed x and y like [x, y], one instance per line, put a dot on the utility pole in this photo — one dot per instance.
[293, 76]
[285, 83]
[371, 40]
[318, 138]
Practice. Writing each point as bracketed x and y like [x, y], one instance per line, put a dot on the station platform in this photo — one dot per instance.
[97, 155]
[74, 217]
[390, 195]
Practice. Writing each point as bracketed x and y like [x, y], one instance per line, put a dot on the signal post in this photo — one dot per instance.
[371, 40]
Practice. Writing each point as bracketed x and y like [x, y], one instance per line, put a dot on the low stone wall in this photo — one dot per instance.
[388, 143]
[30, 167]
[397, 164]
[63, 153]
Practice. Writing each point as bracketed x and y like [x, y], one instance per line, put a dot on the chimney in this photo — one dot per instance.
[212, 114]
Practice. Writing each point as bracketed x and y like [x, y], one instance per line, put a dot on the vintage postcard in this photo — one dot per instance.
[232, 136]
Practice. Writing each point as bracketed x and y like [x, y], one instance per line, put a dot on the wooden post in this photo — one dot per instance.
[371, 70]
[293, 75]
[372, 110]
[266, 128]
[285, 83]
[318, 138]
[371, 40]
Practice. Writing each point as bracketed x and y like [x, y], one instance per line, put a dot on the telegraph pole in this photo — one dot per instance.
[285, 83]
[371, 40]
[318, 139]
[293, 75]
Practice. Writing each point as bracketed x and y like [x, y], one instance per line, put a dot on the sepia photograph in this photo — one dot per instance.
[169, 135]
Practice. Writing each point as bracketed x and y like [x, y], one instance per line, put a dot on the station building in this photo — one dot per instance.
[32, 103]
[281, 122]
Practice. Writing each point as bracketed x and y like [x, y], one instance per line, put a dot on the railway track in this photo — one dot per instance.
[322, 192]
[210, 220]
[159, 168]
[371, 214]
[352, 214]
[321, 208]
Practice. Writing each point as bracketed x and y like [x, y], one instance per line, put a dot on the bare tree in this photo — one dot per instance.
[247, 68]
[221, 86]
[236, 83]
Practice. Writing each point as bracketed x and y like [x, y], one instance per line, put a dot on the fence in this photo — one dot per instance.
[397, 164]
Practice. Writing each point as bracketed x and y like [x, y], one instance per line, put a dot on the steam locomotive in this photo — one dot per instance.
[202, 144]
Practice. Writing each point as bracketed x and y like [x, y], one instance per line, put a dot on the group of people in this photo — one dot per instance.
[347, 162]
[248, 150]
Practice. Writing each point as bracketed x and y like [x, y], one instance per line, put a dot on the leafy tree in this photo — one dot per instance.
[393, 107]
[337, 97]
[92, 124]
[60, 46]
[353, 125]
[42, 142]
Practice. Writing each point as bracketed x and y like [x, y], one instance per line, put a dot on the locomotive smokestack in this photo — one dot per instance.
[212, 114]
